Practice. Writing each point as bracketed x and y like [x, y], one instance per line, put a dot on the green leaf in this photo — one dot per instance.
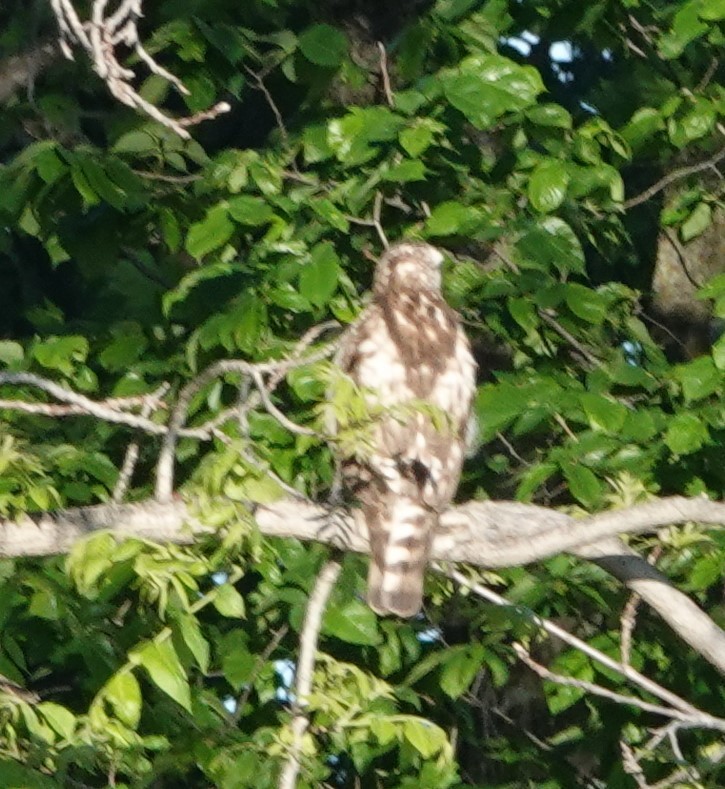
[405, 171]
[60, 719]
[713, 289]
[383, 729]
[524, 313]
[190, 631]
[170, 229]
[353, 622]
[699, 378]
[319, 277]
[560, 698]
[123, 693]
[248, 210]
[16, 776]
[350, 136]
[165, 670]
[452, 218]
[50, 166]
[44, 604]
[697, 123]
[533, 478]
[128, 344]
[138, 141]
[698, 221]
[639, 426]
[603, 413]
[706, 572]
[718, 353]
[210, 233]
[11, 352]
[315, 145]
[417, 138]
[552, 115]
[460, 669]
[330, 213]
[485, 87]
[551, 243]
[547, 185]
[586, 303]
[644, 124]
[583, 484]
[228, 602]
[202, 274]
[427, 738]
[712, 10]
[323, 45]
[237, 661]
[60, 353]
[686, 433]
[686, 27]
[307, 383]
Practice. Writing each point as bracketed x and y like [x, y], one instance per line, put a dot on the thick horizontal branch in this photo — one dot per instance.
[486, 534]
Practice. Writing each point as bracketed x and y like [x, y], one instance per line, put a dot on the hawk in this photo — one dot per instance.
[408, 354]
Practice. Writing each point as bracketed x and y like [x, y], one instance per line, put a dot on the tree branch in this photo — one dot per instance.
[486, 534]
[670, 178]
[100, 36]
[697, 718]
[305, 667]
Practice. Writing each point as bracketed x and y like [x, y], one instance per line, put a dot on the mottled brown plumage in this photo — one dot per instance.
[407, 349]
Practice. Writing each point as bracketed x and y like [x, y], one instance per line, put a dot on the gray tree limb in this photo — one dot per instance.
[485, 534]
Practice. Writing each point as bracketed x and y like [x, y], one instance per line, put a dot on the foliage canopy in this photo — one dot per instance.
[515, 136]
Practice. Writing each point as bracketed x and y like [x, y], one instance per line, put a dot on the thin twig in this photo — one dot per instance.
[694, 719]
[99, 37]
[511, 449]
[377, 208]
[569, 337]
[271, 408]
[627, 671]
[275, 641]
[262, 88]
[305, 668]
[675, 175]
[78, 404]
[165, 463]
[132, 451]
[384, 72]
[627, 623]
[171, 179]
[632, 766]
[628, 619]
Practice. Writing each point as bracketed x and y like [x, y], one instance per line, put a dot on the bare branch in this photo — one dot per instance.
[486, 534]
[384, 72]
[547, 317]
[377, 224]
[276, 413]
[262, 88]
[628, 618]
[670, 178]
[132, 451]
[698, 719]
[279, 368]
[100, 36]
[305, 668]
[262, 658]
[554, 630]
[112, 410]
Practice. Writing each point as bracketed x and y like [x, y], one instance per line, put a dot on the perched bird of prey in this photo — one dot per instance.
[408, 354]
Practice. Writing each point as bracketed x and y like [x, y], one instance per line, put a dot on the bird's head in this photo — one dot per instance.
[408, 265]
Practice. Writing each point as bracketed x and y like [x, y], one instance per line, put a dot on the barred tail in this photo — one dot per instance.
[400, 544]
